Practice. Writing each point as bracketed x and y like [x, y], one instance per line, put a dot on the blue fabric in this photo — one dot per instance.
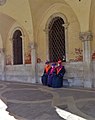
[51, 77]
[49, 82]
[44, 79]
[62, 71]
[57, 82]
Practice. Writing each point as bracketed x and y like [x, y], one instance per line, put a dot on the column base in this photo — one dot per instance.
[87, 84]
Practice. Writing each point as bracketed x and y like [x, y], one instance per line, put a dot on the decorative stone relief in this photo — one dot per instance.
[93, 55]
[85, 36]
[28, 57]
[78, 54]
[8, 60]
[2, 2]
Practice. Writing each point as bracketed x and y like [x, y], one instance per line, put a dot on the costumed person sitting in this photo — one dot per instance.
[51, 75]
[58, 81]
[46, 72]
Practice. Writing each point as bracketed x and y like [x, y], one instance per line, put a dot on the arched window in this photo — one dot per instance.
[17, 48]
[56, 39]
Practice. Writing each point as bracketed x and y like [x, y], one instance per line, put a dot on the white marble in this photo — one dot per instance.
[4, 115]
[67, 115]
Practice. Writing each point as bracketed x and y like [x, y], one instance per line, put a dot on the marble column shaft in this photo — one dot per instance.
[33, 61]
[86, 38]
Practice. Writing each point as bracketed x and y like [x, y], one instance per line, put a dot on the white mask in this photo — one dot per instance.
[52, 66]
[58, 64]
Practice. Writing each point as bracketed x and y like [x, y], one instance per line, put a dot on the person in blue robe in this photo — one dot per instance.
[47, 69]
[51, 75]
[58, 81]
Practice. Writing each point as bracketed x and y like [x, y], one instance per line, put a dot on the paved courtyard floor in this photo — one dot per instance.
[37, 102]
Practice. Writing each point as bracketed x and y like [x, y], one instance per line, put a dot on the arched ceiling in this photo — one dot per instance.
[81, 10]
[38, 7]
[5, 24]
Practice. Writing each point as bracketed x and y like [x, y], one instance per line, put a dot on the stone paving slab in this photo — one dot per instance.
[27, 95]
[37, 102]
[34, 111]
[76, 93]
[88, 107]
[16, 86]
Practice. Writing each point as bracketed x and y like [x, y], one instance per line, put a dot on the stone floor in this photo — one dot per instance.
[36, 102]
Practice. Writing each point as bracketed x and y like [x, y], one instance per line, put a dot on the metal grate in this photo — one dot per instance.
[56, 39]
[17, 48]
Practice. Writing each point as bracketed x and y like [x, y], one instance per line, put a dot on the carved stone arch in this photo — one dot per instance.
[56, 15]
[14, 28]
[65, 25]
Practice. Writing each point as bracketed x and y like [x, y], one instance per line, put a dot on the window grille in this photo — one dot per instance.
[56, 39]
[17, 48]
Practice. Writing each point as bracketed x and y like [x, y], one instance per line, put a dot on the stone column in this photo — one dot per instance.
[34, 62]
[2, 60]
[2, 64]
[46, 31]
[86, 37]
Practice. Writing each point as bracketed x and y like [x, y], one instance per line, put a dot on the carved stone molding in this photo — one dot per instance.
[65, 25]
[32, 45]
[85, 36]
[2, 2]
[1, 50]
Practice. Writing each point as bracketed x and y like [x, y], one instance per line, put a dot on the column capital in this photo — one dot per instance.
[1, 50]
[32, 45]
[46, 30]
[85, 36]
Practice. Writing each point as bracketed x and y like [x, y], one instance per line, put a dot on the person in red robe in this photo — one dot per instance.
[58, 81]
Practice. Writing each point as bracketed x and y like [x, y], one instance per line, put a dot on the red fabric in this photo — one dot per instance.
[52, 70]
[59, 61]
[47, 68]
[58, 69]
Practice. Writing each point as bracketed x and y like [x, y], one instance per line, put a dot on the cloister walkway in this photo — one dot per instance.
[36, 102]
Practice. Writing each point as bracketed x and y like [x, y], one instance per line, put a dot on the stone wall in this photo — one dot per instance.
[20, 73]
[76, 73]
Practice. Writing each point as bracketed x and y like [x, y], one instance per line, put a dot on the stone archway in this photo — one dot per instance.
[56, 31]
[17, 48]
